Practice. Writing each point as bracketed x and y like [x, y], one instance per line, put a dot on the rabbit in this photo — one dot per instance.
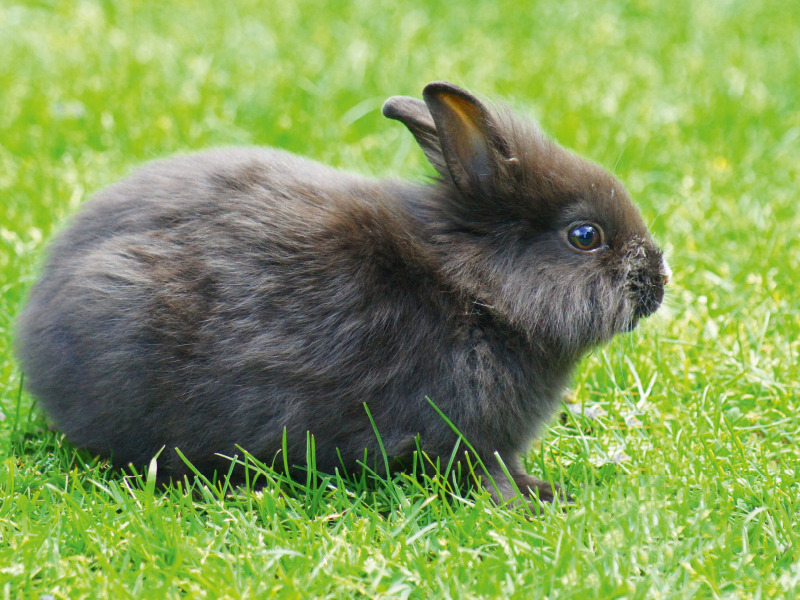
[242, 297]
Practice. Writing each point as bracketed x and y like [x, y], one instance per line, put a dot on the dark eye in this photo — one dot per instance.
[585, 237]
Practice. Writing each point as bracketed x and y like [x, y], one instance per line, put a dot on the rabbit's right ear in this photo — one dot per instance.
[471, 143]
[415, 115]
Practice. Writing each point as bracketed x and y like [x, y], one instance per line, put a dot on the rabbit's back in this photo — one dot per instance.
[205, 301]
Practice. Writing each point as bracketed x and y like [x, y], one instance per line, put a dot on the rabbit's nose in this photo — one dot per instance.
[666, 272]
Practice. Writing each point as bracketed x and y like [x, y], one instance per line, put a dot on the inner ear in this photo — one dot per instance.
[470, 141]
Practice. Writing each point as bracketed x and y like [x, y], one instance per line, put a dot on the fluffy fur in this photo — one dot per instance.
[216, 300]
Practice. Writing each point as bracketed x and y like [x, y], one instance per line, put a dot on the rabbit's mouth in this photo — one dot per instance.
[650, 299]
[646, 286]
[646, 297]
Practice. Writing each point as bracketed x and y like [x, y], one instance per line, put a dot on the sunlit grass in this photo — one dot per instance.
[680, 446]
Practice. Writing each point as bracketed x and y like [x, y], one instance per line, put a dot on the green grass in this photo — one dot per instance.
[682, 449]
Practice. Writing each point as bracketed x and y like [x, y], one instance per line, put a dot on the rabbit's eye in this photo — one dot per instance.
[584, 237]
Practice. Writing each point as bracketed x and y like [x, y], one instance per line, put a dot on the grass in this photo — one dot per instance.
[681, 444]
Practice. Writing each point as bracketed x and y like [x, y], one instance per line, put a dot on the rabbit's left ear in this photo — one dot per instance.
[471, 144]
[415, 115]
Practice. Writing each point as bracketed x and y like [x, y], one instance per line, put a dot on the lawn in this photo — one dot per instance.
[679, 442]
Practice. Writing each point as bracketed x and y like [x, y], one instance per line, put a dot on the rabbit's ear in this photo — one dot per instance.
[415, 115]
[470, 142]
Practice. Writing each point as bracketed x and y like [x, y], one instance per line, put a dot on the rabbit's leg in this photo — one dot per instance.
[530, 486]
[527, 484]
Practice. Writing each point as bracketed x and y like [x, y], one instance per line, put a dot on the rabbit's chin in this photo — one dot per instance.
[630, 325]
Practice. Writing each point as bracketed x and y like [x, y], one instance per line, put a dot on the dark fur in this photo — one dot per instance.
[215, 300]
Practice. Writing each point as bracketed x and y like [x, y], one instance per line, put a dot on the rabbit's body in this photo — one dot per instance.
[216, 300]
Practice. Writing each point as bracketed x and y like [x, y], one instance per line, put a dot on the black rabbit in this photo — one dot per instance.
[216, 300]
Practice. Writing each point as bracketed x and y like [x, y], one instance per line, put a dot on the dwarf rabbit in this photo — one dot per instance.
[220, 299]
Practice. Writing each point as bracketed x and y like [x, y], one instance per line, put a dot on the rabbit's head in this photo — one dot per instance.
[541, 237]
